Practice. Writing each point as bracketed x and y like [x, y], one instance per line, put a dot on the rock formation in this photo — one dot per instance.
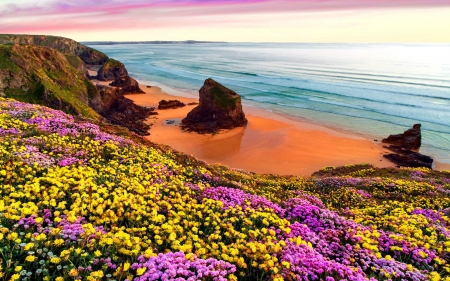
[170, 104]
[128, 85]
[219, 108]
[112, 70]
[411, 139]
[407, 158]
[115, 70]
[114, 106]
[405, 146]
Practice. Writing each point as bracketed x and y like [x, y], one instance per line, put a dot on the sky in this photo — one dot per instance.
[231, 20]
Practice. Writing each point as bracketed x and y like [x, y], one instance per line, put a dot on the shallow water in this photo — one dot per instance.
[370, 89]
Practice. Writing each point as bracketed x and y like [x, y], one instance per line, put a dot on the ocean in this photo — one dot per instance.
[366, 89]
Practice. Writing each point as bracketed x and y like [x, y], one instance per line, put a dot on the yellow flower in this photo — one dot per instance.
[18, 268]
[15, 277]
[97, 253]
[55, 260]
[59, 278]
[73, 272]
[141, 271]
[30, 258]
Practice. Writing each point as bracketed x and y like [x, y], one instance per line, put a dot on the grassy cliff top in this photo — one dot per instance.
[63, 45]
[43, 75]
[79, 202]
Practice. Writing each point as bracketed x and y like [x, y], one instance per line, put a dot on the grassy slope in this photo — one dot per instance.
[63, 45]
[47, 71]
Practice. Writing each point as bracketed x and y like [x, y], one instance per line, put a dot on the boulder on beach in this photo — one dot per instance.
[407, 158]
[170, 104]
[405, 148]
[219, 108]
[411, 139]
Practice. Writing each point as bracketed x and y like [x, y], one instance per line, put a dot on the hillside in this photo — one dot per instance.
[61, 44]
[79, 202]
[52, 72]
[45, 76]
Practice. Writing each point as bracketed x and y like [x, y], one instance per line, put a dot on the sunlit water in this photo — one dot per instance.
[370, 89]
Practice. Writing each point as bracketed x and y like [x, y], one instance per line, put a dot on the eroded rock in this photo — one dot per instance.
[411, 139]
[219, 108]
[170, 104]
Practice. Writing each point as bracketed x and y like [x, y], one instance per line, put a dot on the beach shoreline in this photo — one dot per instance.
[297, 146]
[271, 143]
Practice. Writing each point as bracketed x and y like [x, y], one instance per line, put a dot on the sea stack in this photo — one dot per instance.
[219, 108]
[115, 70]
[411, 139]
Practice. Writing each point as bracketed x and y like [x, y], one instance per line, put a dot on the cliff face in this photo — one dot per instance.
[63, 45]
[112, 104]
[43, 75]
[51, 71]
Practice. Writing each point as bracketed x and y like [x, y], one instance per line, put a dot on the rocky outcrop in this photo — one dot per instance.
[115, 107]
[115, 71]
[170, 104]
[411, 139]
[61, 44]
[219, 108]
[112, 70]
[407, 158]
[42, 75]
[128, 85]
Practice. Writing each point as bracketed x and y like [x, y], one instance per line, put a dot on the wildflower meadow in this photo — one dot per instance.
[78, 203]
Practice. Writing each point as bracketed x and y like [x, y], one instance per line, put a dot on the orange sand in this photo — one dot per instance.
[269, 144]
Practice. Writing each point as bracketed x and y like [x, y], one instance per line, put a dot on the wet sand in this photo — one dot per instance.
[269, 144]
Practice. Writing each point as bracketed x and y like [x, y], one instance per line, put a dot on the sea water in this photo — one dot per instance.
[369, 89]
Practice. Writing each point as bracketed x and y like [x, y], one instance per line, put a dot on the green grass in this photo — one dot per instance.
[74, 61]
[5, 61]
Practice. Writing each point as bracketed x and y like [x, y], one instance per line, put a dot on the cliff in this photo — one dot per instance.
[43, 75]
[63, 45]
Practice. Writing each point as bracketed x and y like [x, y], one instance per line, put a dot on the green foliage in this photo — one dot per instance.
[222, 99]
[74, 61]
[5, 62]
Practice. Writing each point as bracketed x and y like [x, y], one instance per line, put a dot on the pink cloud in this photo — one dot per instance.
[54, 16]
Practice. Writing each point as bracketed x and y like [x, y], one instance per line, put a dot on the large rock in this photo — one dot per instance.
[170, 104]
[411, 139]
[115, 71]
[115, 107]
[219, 108]
[407, 158]
[128, 85]
[112, 70]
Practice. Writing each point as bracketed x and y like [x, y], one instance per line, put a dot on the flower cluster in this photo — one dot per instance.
[77, 203]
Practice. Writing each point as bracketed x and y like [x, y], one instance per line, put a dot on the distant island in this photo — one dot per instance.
[147, 42]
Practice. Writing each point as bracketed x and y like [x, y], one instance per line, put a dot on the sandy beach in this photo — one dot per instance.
[269, 144]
